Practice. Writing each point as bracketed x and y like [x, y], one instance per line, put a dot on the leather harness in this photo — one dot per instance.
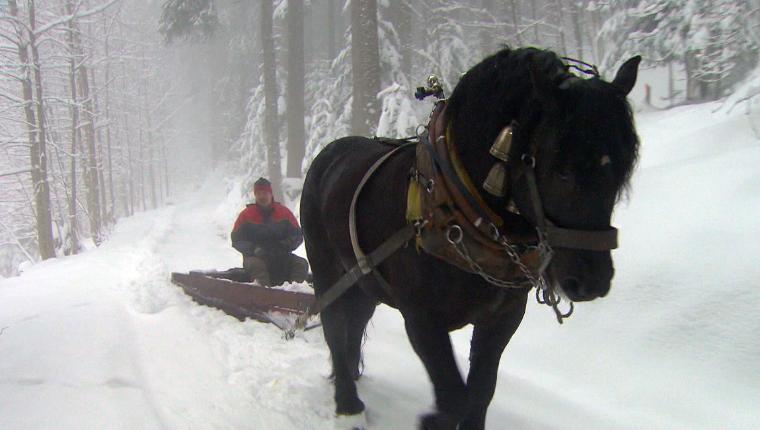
[444, 209]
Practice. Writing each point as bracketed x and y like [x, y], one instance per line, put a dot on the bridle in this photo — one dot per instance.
[556, 236]
[549, 235]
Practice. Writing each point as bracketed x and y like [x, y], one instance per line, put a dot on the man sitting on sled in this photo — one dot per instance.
[266, 233]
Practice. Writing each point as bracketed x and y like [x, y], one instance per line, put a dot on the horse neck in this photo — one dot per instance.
[473, 139]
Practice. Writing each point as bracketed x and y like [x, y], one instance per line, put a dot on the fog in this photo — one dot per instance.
[112, 107]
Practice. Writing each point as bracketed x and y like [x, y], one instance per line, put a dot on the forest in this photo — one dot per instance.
[112, 107]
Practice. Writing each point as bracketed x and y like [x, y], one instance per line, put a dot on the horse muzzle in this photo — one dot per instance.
[583, 275]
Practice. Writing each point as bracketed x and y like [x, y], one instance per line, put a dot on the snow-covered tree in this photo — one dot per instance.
[711, 39]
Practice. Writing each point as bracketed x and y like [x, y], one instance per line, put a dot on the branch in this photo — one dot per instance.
[17, 242]
[15, 172]
[67, 18]
[14, 99]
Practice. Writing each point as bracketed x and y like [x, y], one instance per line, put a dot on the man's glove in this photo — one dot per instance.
[256, 233]
[244, 247]
[282, 229]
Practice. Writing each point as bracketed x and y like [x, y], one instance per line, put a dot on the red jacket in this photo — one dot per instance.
[253, 214]
[269, 230]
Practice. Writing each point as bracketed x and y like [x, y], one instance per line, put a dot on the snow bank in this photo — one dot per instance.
[103, 340]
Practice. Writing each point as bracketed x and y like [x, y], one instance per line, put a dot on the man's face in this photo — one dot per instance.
[263, 197]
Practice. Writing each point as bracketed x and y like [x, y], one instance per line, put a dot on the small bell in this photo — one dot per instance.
[502, 144]
[496, 180]
[433, 81]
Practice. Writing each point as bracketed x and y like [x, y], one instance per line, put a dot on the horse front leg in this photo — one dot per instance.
[432, 344]
[488, 343]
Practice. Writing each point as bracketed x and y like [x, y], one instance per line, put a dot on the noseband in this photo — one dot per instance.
[558, 237]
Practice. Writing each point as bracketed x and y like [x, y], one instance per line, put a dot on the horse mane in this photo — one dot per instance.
[502, 82]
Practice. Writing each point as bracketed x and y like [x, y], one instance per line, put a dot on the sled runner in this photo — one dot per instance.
[231, 292]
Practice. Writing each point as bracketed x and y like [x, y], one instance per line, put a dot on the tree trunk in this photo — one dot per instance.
[130, 187]
[149, 133]
[486, 33]
[365, 62]
[70, 39]
[671, 91]
[141, 163]
[271, 123]
[112, 208]
[103, 200]
[38, 149]
[165, 163]
[91, 174]
[534, 17]
[31, 120]
[404, 30]
[515, 21]
[331, 48]
[295, 89]
[560, 23]
[576, 15]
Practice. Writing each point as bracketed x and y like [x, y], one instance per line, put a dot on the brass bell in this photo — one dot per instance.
[496, 181]
[502, 144]
[433, 81]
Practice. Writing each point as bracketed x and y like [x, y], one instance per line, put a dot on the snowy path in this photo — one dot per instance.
[102, 340]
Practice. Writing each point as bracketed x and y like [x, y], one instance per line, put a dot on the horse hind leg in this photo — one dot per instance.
[361, 311]
[335, 322]
[327, 269]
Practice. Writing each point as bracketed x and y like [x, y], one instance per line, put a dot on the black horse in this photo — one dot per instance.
[578, 135]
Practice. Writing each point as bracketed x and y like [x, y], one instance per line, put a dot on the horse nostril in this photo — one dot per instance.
[571, 287]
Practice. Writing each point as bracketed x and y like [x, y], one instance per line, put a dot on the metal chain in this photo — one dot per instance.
[545, 293]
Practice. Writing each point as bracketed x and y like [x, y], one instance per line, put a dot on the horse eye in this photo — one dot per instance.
[605, 160]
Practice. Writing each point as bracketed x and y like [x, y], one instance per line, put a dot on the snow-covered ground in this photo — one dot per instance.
[103, 340]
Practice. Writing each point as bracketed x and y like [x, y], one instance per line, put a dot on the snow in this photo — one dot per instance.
[103, 340]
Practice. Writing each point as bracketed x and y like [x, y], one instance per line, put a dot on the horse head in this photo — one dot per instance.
[583, 147]
[574, 139]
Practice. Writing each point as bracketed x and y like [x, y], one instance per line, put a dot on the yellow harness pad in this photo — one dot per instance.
[413, 201]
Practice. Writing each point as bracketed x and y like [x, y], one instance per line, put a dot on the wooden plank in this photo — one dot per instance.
[241, 300]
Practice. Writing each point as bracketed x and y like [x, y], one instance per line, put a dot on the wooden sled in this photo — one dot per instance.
[228, 291]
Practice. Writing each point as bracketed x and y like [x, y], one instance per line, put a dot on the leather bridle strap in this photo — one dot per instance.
[558, 237]
[590, 240]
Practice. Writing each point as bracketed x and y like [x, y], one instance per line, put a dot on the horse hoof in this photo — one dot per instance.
[351, 422]
[438, 422]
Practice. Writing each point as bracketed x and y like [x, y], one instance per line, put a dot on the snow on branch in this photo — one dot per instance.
[66, 18]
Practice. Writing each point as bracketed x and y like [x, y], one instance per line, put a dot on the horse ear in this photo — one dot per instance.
[625, 78]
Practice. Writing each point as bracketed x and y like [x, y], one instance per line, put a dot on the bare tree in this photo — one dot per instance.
[26, 42]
